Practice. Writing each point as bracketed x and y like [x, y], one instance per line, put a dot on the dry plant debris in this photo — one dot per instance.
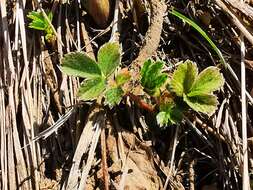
[49, 139]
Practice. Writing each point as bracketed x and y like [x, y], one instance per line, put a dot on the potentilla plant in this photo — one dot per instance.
[99, 80]
[186, 90]
[39, 22]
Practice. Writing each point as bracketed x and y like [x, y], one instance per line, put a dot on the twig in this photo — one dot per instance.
[87, 167]
[192, 175]
[210, 130]
[104, 159]
[152, 38]
[46, 133]
[235, 20]
[245, 176]
[86, 40]
[172, 158]
[141, 103]
[78, 26]
[82, 147]
[242, 7]
[115, 27]
[124, 169]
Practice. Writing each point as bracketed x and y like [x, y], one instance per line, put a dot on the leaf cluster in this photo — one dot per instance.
[187, 89]
[190, 88]
[39, 22]
[152, 78]
[97, 74]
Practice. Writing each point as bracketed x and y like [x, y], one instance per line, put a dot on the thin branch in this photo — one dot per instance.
[172, 157]
[245, 176]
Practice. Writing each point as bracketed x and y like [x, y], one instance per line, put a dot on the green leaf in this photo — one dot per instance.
[160, 80]
[183, 78]
[38, 21]
[109, 58]
[38, 25]
[113, 96]
[80, 65]
[145, 68]
[152, 77]
[153, 73]
[162, 118]
[90, 89]
[34, 15]
[169, 114]
[207, 81]
[50, 16]
[205, 103]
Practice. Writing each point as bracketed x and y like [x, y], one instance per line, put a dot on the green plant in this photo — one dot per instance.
[39, 22]
[152, 77]
[197, 89]
[187, 89]
[98, 74]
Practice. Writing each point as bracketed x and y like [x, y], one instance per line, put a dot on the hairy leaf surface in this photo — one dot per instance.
[80, 65]
[205, 103]
[208, 80]
[183, 78]
[90, 89]
[109, 58]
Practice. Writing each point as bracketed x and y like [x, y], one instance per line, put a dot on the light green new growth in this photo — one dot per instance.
[196, 90]
[184, 78]
[39, 22]
[152, 77]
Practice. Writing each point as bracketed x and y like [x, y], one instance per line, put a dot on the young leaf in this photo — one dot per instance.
[122, 77]
[160, 80]
[162, 118]
[169, 114]
[38, 20]
[113, 96]
[50, 16]
[205, 103]
[38, 25]
[80, 65]
[37, 16]
[152, 77]
[145, 69]
[109, 58]
[207, 81]
[183, 78]
[90, 89]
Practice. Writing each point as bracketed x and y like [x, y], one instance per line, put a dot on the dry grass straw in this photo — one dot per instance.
[38, 125]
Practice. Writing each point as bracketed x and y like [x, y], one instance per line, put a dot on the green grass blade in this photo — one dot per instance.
[202, 32]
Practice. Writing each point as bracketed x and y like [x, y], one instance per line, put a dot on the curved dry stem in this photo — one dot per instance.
[153, 35]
